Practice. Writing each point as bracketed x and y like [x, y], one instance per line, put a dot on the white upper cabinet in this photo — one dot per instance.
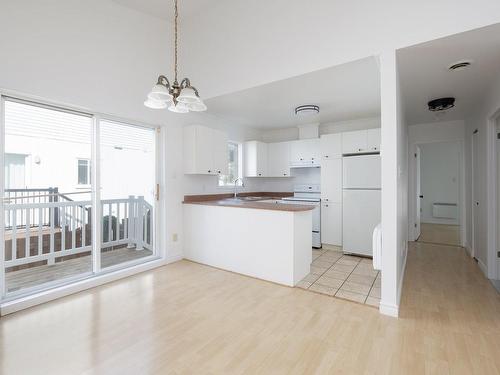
[361, 141]
[305, 152]
[373, 139]
[278, 158]
[255, 159]
[331, 146]
[204, 151]
[220, 152]
[354, 142]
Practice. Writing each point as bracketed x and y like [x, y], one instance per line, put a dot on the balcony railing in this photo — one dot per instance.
[46, 228]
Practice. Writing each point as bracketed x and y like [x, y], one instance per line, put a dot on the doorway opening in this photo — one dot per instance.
[438, 187]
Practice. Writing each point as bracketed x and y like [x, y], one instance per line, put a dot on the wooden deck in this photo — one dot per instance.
[35, 276]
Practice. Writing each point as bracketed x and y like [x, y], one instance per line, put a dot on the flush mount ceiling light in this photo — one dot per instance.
[308, 109]
[178, 98]
[460, 65]
[441, 104]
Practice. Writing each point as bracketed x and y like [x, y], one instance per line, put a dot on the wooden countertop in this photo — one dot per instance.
[226, 200]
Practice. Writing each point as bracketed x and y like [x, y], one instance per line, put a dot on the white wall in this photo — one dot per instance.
[440, 178]
[394, 185]
[485, 250]
[240, 44]
[444, 131]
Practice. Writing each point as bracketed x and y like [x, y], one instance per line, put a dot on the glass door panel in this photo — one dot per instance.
[128, 178]
[47, 210]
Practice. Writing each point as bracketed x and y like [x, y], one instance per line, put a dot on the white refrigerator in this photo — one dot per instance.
[361, 202]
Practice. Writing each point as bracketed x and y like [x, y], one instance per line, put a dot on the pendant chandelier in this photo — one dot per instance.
[179, 98]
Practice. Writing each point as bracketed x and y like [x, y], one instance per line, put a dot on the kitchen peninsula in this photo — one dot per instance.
[256, 236]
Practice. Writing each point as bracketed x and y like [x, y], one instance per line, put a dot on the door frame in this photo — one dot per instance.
[462, 209]
[160, 256]
[493, 266]
[473, 192]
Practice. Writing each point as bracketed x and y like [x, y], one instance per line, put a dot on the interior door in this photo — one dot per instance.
[419, 196]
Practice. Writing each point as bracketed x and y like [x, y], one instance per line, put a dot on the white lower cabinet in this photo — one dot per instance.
[331, 223]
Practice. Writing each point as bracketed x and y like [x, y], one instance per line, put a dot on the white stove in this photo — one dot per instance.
[309, 195]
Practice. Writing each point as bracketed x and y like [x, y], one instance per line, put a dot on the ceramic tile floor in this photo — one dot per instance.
[344, 276]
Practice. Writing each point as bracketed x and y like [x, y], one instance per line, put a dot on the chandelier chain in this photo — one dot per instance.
[176, 15]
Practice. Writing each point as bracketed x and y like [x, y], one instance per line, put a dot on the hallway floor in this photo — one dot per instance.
[187, 318]
[440, 234]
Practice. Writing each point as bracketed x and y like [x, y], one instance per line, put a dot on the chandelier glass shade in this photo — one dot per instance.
[177, 97]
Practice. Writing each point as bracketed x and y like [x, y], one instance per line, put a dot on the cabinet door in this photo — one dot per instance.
[261, 159]
[255, 159]
[373, 139]
[305, 151]
[331, 223]
[354, 142]
[331, 146]
[220, 153]
[278, 156]
[312, 151]
[331, 180]
[297, 152]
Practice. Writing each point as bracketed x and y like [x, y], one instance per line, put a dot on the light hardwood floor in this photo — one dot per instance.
[186, 318]
[440, 234]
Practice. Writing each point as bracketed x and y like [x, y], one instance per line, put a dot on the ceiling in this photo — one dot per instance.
[165, 9]
[424, 74]
[344, 92]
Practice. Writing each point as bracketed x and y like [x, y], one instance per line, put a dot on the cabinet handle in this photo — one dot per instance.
[260, 174]
[284, 174]
[301, 158]
[312, 158]
[359, 149]
[326, 199]
[209, 171]
[218, 172]
[326, 205]
[326, 156]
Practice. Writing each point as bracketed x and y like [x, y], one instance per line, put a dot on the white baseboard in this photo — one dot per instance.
[22, 303]
[483, 267]
[389, 309]
[496, 284]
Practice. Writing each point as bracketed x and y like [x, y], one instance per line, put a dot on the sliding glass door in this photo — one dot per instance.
[47, 231]
[57, 227]
[128, 181]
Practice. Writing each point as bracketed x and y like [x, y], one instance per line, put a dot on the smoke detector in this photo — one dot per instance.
[308, 109]
[460, 65]
[441, 104]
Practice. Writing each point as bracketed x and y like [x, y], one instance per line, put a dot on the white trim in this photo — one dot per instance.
[473, 192]
[2, 208]
[483, 267]
[389, 310]
[96, 196]
[491, 196]
[65, 290]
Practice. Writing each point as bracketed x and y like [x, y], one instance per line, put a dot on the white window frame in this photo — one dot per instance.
[56, 290]
[240, 166]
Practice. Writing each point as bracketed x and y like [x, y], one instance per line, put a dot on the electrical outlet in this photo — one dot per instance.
[175, 237]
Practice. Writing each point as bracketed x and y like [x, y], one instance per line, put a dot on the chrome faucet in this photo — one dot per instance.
[236, 186]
